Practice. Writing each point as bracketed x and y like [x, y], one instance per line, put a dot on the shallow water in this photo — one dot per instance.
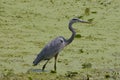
[26, 26]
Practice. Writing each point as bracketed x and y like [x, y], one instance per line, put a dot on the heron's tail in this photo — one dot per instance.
[34, 64]
[37, 60]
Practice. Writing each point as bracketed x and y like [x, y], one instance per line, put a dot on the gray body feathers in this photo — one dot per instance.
[50, 50]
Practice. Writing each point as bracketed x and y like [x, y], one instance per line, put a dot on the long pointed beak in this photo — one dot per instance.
[82, 21]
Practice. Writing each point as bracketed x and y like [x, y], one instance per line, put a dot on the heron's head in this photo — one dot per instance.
[74, 20]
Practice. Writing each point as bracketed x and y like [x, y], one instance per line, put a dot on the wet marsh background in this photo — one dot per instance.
[27, 25]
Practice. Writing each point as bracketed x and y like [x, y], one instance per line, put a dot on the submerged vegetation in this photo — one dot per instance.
[27, 25]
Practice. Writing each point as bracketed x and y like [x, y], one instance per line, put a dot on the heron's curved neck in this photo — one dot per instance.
[73, 33]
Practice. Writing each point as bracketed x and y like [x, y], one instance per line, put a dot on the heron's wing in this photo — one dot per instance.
[50, 50]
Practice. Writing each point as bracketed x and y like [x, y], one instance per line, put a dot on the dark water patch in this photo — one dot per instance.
[78, 36]
[90, 20]
[86, 65]
[71, 74]
[87, 11]
[81, 51]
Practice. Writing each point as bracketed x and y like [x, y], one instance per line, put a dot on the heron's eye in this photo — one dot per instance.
[61, 41]
[74, 19]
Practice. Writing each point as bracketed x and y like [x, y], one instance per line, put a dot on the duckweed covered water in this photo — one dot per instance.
[27, 25]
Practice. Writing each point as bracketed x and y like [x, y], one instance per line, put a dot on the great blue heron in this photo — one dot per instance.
[56, 45]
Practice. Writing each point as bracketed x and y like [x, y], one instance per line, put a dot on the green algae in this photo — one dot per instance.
[26, 26]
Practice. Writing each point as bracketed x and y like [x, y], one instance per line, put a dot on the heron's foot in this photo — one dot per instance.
[43, 68]
[53, 71]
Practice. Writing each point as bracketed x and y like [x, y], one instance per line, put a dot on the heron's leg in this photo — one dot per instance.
[55, 62]
[44, 65]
